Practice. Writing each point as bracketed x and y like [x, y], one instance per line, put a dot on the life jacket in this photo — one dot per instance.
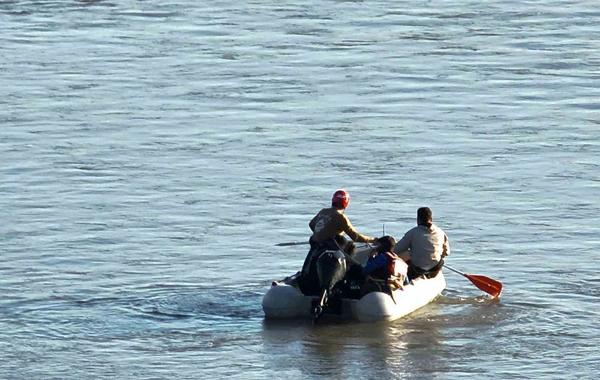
[396, 268]
[386, 278]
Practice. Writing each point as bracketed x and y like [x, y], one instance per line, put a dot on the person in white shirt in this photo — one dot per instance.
[423, 247]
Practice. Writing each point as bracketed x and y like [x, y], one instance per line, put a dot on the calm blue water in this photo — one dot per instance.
[152, 153]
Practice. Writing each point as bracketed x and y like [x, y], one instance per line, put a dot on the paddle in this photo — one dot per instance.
[291, 243]
[488, 285]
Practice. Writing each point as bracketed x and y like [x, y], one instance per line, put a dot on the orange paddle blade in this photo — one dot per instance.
[488, 285]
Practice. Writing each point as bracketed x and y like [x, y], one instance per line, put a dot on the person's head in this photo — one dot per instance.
[424, 217]
[340, 199]
[385, 244]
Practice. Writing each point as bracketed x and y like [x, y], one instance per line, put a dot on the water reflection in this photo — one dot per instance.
[338, 349]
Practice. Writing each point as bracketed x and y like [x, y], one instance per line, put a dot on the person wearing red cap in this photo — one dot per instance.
[331, 223]
[328, 227]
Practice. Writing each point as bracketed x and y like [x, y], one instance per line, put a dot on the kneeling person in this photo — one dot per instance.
[384, 269]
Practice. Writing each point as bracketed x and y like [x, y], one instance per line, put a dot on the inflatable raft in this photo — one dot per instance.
[285, 300]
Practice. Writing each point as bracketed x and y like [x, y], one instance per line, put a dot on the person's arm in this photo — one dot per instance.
[313, 223]
[446, 246]
[402, 248]
[353, 234]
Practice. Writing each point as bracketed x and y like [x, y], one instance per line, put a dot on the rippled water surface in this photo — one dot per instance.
[152, 153]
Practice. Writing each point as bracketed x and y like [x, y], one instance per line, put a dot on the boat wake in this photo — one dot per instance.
[452, 298]
[203, 304]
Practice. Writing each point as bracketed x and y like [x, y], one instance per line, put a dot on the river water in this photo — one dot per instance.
[152, 153]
